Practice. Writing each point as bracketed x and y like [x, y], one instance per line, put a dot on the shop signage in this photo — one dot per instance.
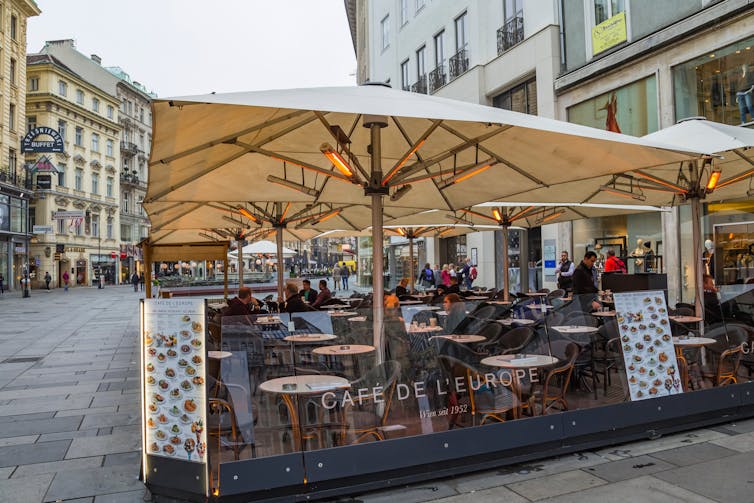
[42, 229]
[648, 351]
[32, 142]
[65, 215]
[44, 182]
[75, 250]
[20, 249]
[44, 165]
[57, 256]
[609, 33]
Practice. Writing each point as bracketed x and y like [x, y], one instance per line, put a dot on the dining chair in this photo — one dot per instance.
[555, 386]
[367, 417]
[726, 370]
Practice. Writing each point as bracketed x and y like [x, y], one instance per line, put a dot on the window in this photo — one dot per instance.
[141, 140]
[95, 105]
[95, 226]
[420, 67]
[130, 108]
[12, 117]
[61, 175]
[78, 228]
[34, 84]
[109, 148]
[13, 27]
[62, 88]
[439, 49]
[126, 200]
[141, 114]
[405, 84]
[109, 227]
[95, 183]
[109, 187]
[79, 136]
[110, 111]
[31, 122]
[138, 205]
[79, 96]
[385, 30]
[522, 98]
[61, 225]
[124, 107]
[125, 232]
[62, 129]
[12, 71]
[95, 142]
[460, 32]
[126, 165]
[78, 181]
[605, 9]
[12, 160]
[404, 12]
[420, 4]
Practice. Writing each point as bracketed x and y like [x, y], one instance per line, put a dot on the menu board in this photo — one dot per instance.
[174, 356]
[644, 327]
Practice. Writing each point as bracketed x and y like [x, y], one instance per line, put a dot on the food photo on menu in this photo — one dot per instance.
[647, 343]
[174, 380]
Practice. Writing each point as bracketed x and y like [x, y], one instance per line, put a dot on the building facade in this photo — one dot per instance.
[15, 188]
[135, 118]
[86, 178]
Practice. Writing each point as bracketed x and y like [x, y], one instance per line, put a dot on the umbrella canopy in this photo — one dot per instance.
[341, 147]
[263, 247]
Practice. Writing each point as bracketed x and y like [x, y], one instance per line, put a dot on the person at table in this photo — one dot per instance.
[293, 302]
[324, 294]
[242, 304]
[585, 282]
[456, 310]
[401, 289]
[613, 263]
[564, 272]
[308, 294]
[454, 288]
[716, 311]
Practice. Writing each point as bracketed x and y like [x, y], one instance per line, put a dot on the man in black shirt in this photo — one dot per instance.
[241, 305]
[293, 302]
[585, 282]
[308, 294]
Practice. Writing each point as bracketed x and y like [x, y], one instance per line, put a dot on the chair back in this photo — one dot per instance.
[727, 368]
[384, 375]
[514, 340]
[555, 294]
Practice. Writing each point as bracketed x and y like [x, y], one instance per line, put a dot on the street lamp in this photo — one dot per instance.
[28, 258]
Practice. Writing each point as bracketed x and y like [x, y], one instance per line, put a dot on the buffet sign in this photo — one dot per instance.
[174, 394]
[644, 327]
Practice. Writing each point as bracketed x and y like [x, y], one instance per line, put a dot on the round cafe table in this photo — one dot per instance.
[539, 307]
[500, 302]
[510, 321]
[306, 338]
[523, 361]
[476, 297]
[337, 314]
[685, 343]
[358, 319]
[291, 387]
[335, 306]
[219, 355]
[411, 302]
[536, 294]
[604, 314]
[462, 338]
[352, 350]
[416, 329]
[575, 329]
[685, 319]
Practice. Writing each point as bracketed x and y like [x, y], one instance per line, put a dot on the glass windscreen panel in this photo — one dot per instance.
[318, 379]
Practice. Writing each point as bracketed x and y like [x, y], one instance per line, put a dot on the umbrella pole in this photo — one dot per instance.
[378, 287]
[279, 242]
[411, 262]
[696, 240]
[506, 277]
[239, 245]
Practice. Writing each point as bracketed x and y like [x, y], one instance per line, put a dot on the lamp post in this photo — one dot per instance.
[28, 257]
[99, 258]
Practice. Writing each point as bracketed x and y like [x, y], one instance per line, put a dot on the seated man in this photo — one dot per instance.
[293, 302]
[242, 304]
[324, 294]
[453, 288]
[401, 289]
[308, 293]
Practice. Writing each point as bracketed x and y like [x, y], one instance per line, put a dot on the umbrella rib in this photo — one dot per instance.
[291, 160]
[163, 237]
[351, 156]
[180, 215]
[264, 212]
[340, 215]
[227, 138]
[500, 159]
[162, 210]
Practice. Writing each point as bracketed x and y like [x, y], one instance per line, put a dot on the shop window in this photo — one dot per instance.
[522, 98]
[718, 85]
[631, 109]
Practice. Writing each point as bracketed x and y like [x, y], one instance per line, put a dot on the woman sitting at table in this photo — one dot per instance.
[456, 310]
[401, 289]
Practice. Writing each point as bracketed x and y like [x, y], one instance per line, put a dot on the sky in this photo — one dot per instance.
[186, 47]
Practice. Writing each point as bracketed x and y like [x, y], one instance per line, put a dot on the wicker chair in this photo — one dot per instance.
[726, 370]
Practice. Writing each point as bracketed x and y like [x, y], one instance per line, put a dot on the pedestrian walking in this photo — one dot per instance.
[2, 283]
[466, 273]
[336, 277]
[66, 280]
[345, 272]
[135, 281]
[141, 281]
[427, 276]
[48, 278]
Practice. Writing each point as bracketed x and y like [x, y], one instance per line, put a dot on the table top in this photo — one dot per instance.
[217, 306]
[342, 313]
[358, 318]
[501, 302]
[608, 314]
[445, 313]
[303, 338]
[414, 329]
[335, 306]
[519, 361]
[685, 319]
[693, 341]
[462, 338]
[346, 349]
[411, 302]
[304, 384]
[536, 294]
[219, 355]
[511, 321]
[574, 329]
[267, 320]
[539, 307]
[476, 297]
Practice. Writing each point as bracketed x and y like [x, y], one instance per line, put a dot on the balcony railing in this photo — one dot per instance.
[458, 63]
[420, 86]
[437, 78]
[129, 147]
[510, 34]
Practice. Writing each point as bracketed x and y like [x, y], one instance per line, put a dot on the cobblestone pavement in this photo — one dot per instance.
[69, 425]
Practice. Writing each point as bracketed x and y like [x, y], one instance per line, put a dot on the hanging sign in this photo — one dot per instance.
[51, 140]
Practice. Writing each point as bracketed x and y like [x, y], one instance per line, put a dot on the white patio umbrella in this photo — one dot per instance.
[369, 145]
[262, 247]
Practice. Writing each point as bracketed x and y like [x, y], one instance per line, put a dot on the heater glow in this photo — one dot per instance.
[243, 211]
[402, 162]
[336, 159]
[329, 215]
[497, 215]
[472, 172]
[551, 216]
[714, 177]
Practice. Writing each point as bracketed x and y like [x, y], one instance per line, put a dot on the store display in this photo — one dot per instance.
[644, 327]
[174, 375]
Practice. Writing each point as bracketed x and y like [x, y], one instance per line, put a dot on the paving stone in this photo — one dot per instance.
[126, 458]
[90, 411]
[108, 444]
[25, 454]
[411, 494]
[693, 454]
[726, 479]
[127, 497]
[84, 483]
[58, 466]
[63, 435]
[6, 472]
[46, 391]
[104, 420]
[41, 426]
[554, 485]
[31, 407]
[25, 489]
[492, 495]
[629, 468]
[24, 439]
[642, 489]
[741, 443]
[642, 447]
[26, 417]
